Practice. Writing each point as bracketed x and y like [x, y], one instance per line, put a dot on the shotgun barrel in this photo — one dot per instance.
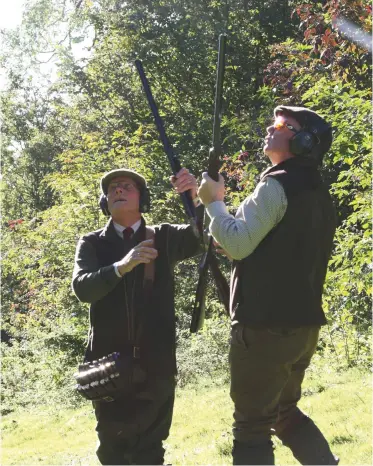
[208, 259]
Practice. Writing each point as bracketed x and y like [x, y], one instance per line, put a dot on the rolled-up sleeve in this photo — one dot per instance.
[91, 282]
[255, 218]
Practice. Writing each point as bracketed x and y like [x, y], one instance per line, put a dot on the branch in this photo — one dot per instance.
[47, 61]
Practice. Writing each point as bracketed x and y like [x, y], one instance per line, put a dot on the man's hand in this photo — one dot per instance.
[210, 190]
[184, 181]
[143, 253]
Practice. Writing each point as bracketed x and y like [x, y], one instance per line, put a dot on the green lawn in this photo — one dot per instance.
[339, 403]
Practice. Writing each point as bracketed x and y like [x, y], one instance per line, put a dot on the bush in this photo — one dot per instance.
[204, 354]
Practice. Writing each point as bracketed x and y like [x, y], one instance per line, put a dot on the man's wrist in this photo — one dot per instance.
[216, 208]
[211, 201]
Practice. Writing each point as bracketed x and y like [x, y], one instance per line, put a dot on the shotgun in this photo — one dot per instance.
[221, 282]
[208, 258]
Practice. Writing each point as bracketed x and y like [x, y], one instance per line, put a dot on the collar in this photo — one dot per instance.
[296, 161]
[108, 232]
[119, 228]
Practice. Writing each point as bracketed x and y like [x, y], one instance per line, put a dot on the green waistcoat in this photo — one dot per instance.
[281, 282]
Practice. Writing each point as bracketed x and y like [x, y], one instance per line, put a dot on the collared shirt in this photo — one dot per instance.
[119, 229]
[255, 218]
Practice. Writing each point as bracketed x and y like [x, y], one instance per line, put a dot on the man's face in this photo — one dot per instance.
[123, 195]
[276, 143]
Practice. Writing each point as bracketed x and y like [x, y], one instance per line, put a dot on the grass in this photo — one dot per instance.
[340, 403]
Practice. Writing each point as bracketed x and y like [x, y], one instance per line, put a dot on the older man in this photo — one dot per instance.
[132, 310]
[280, 239]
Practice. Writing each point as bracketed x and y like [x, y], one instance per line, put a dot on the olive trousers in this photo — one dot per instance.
[267, 370]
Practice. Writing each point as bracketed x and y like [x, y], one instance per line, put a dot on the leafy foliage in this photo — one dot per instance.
[59, 138]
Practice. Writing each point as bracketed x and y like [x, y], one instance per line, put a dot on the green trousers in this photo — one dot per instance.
[132, 430]
[267, 371]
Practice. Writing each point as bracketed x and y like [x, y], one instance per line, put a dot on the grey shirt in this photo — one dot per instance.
[255, 218]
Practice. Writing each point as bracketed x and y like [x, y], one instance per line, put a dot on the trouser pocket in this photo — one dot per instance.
[238, 337]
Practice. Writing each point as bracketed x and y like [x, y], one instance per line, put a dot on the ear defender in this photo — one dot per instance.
[144, 200]
[144, 204]
[302, 143]
[103, 205]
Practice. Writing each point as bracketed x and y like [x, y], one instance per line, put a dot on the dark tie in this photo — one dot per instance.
[127, 233]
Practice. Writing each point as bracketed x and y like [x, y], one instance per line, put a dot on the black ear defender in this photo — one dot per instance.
[144, 202]
[103, 205]
[303, 142]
